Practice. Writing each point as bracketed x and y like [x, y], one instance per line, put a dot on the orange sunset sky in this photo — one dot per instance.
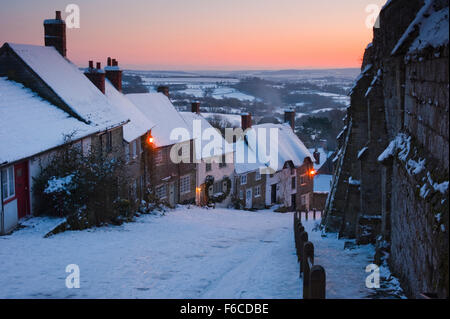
[203, 34]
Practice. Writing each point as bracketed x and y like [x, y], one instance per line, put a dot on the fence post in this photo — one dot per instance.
[302, 240]
[317, 282]
[306, 215]
[314, 214]
[307, 260]
[300, 230]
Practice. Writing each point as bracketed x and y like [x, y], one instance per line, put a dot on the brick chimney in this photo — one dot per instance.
[316, 155]
[113, 73]
[97, 75]
[195, 107]
[164, 90]
[246, 121]
[289, 117]
[55, 34]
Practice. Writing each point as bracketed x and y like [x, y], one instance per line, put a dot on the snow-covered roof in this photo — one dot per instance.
[70, 84]
[290, 147]
[30, 125]
[322, 183]
[323, 157]
[139, 124]
[158, 108]
[432, 27]
[245, 159]
[219, 144]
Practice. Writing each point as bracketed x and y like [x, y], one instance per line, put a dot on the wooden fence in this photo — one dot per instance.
[314, 278]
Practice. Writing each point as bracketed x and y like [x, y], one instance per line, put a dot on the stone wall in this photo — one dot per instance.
[391, 178]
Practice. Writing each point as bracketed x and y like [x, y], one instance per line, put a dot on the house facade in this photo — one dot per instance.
[171, 168]
[214, 161]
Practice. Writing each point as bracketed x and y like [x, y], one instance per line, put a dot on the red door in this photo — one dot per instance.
[22, 189]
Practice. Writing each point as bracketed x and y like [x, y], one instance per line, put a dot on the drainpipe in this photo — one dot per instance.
[2, 211]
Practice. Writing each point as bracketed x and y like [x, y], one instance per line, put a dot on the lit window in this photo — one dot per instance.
[243, 179]
[185, 184]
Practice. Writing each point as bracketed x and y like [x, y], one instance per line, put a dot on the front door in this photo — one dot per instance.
[274, 193]
[248, 199]
[22, 189]
[172, 194]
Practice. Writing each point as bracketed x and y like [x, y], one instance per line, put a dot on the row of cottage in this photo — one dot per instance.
[44, 97]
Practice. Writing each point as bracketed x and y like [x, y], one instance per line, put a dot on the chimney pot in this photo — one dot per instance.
[317, 156]
[109, 62]
[55, 34]
[195, 107]
[99, 65]
[91, 64]
[246, 121]
[289, 117]
[164, 90]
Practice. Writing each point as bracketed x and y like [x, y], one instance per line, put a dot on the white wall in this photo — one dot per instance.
[284, 190]
[218, 173]
[10, 216]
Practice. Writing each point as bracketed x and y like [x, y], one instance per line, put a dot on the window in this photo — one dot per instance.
[223, 163]
[243, 179]
[258, 175]
[293, 182]
[218, 187]
[185, 184]
[134, 149]
[208, 167]
[241, 194]
[303, 179]
[8, 190]
[161, 191]
[258, 191]
[127, 152]
[159, 157]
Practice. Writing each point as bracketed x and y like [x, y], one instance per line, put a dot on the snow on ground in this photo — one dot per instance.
[187, 253]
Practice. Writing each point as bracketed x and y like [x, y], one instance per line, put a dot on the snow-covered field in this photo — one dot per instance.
[187, 253]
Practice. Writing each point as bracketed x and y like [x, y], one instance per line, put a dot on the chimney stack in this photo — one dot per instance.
[316, 155]
[195, 107]
[164, 90]
[246, 121]
[289, 117]
[97, 76]
[114, 73]
[55, 34]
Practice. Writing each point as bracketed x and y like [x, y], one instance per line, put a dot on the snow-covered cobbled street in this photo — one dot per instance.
[186, 253]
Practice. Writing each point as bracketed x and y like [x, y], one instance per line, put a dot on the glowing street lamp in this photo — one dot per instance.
[312, 173]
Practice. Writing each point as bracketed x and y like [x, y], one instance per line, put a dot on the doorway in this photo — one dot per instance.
[22, 189]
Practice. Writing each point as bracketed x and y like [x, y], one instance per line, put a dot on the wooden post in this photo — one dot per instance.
[306, 215]
[302, 240]
[300, 230]
[317, 283]
[314, 214]
[308, 262]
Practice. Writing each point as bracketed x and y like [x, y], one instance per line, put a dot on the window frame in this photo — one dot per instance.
[10, 182]
[162, 186]
[257, 191]
[257, 175]
[243, 179]
[183, 184]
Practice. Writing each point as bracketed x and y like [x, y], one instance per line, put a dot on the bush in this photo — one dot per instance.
[85, 188]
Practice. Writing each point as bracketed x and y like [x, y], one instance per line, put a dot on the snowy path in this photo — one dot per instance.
[188, 253]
